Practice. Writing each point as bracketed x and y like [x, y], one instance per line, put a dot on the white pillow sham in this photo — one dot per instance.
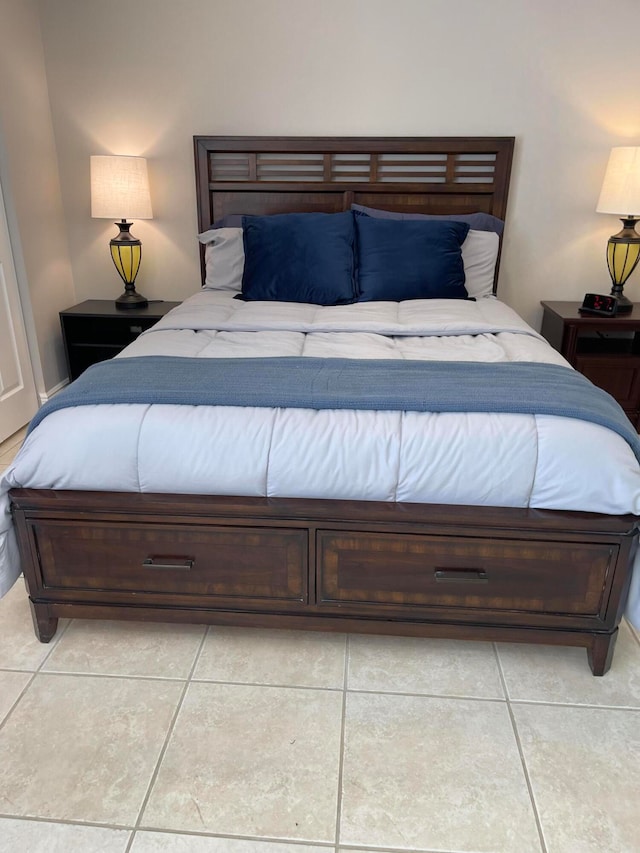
[479, 256]
[224, 260]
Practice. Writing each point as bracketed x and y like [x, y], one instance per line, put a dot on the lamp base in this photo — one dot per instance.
[126, 252]
[131, 299]
[623, 254]
[624, 305]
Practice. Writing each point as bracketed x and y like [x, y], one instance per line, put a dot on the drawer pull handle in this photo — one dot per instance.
[461, 576]
[185, 565]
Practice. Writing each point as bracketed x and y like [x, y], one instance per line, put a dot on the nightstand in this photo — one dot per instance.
[96, 330]
[605, 349]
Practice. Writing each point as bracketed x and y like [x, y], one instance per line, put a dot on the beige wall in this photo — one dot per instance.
[29, 173]
[143, 76]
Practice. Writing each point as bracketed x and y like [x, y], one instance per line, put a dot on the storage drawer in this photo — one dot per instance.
[413, 571]
[248, 563]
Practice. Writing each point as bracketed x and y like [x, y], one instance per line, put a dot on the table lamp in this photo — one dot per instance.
[120, 190]
[620, 194]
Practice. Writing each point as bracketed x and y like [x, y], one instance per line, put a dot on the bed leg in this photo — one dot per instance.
[44, 625]
[600, 652]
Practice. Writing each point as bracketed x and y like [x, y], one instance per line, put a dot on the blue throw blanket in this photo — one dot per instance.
[339, 383]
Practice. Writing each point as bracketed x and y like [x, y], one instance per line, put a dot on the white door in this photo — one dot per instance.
[18, 401]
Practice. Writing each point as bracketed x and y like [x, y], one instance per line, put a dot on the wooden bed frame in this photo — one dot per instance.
[464, 572]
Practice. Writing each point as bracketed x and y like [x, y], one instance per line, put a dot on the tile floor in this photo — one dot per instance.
[183, 739]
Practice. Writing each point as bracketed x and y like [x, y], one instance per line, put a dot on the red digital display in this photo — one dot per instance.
[597, 303]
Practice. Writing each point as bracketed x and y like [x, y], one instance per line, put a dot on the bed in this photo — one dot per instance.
[293, 538]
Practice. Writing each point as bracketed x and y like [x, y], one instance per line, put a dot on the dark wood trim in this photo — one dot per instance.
[123, 506]
[84, 554]
[599, 647]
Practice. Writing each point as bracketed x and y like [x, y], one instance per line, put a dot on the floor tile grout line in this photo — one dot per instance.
[121, 827]
[191, 680]
[198, 654]
[358, 848]
[364, 691]
[503, 681]
[31, 680]
[326, 845]
[343, 721]
[294, 842]
[377, 692]
[269, 839]
[188, 677]
[3, 722]
[498, 699]
[165, 745]
[523, 762]
[24, 670]
[62, 674]
[267, 684]
[585, 705]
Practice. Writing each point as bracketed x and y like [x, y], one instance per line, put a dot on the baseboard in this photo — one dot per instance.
[45, 396]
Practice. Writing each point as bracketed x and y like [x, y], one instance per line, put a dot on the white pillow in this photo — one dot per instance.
[223, 258]
[479, 256]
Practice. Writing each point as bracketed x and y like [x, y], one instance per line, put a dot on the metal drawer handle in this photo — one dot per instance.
[183, 566]
[461, 576]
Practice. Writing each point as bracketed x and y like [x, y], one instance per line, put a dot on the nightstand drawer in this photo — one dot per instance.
[81, 356]
[114, 331]
[619, 376]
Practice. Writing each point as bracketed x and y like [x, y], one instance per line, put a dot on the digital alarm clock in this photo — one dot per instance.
[597, 303]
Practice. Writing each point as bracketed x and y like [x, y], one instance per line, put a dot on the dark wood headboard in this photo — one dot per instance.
[286, 174]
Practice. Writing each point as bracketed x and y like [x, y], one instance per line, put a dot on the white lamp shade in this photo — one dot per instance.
[120, 188]
[621, 186]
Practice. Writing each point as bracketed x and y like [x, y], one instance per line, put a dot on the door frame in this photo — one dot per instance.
[21, 272]
[24, 297]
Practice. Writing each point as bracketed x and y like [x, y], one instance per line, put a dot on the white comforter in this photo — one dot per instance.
[483, 459]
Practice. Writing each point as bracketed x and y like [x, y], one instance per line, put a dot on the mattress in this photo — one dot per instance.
[474, 458]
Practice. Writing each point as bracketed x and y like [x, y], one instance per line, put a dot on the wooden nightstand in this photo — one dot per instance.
[96, 330]
[605, 349]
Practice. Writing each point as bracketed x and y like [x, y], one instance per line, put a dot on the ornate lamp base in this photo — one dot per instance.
[623, 254]
[126, 253]
[624, 305]
[131, 299]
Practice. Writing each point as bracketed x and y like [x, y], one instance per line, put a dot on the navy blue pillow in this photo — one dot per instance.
[477, 221]
[300, 257]
[400, 260]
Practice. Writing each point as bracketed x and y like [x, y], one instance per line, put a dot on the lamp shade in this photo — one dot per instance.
[120, 188]
[620, 192]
